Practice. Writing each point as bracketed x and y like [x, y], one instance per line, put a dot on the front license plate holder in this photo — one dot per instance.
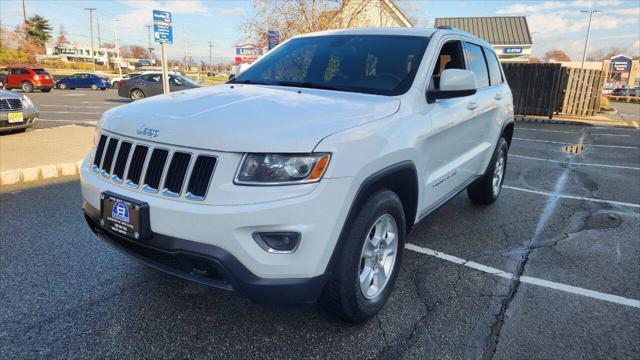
[124, 216]
[15, 117]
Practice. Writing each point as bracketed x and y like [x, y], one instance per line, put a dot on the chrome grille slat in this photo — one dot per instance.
[10, 104]
[179, 173]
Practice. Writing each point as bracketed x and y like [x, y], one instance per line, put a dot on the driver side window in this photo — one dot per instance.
[450, 57]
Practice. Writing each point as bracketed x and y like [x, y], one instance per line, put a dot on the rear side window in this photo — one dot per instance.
[23, 72]
[40, 72]
[477, 63]
[494, 67]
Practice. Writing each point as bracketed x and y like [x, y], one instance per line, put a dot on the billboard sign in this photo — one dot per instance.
[162, 27]
[620, 64]
[274, 38]
[247, 53]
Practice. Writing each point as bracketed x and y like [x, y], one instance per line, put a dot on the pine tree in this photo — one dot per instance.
[38, 29]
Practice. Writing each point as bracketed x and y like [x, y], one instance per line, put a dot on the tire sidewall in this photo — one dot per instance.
[94, 87]
[62, 86]
[501, 150]
[381, 203]
[27, 87]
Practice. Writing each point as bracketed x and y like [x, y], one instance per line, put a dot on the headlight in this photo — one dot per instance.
[281, 169]
[26, 102]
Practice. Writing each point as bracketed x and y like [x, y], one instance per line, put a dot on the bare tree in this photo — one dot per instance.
[557, 55]
[61, 40]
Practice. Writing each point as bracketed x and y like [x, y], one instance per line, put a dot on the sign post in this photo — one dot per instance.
[273, 38]
[163, 34]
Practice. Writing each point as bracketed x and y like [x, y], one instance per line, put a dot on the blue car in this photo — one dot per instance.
[83, 80]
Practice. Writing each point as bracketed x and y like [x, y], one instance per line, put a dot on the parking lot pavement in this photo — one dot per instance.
[80, 106]
[551, 270]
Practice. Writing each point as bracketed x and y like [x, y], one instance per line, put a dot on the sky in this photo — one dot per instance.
[554, 24]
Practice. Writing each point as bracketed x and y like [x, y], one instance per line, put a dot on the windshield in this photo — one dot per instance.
[185, 80]
[373, 64]
[40, 71]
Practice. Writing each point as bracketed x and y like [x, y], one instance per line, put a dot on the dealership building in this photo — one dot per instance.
[509, 35]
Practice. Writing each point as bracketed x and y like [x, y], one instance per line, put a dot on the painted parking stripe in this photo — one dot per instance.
[587, 145]
[73, 106]
[527, 279]
[573, 197]
[68, 121]
[570, 132]
[575, 163]
[71, 112]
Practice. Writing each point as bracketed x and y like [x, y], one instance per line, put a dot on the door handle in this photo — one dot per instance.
[498, 97]
[472, 105]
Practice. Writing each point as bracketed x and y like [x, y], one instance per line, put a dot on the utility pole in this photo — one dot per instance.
[24, 11]
[115, 37]
[149, 39]
[93, 57]
[210, 51]
[99, 40]
[586, 42]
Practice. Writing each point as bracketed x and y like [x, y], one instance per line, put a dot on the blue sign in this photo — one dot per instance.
[620, 64]
[512, 50]
[162, 27]
[274, 38]
[120, 211]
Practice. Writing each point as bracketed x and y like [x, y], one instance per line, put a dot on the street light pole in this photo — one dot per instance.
[210, 48]
[93, 55]
[115, 35]
[586, 42]
[149, 39]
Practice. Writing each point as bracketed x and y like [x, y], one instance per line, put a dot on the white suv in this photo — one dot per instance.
[301, 178]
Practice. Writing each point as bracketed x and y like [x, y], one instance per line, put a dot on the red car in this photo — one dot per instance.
[27, 79]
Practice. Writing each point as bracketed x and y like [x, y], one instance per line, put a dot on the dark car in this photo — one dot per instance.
[17, 112]
[27, 79]
[83, 80]
[620, 92]
[147, 85]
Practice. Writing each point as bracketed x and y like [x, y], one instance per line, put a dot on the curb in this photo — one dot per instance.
[566, 122]
[11, 177]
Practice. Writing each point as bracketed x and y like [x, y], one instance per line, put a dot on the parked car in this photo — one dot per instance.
[17, 112]
[148, 85]
[635, 92]
[83, 80]
[301, 178]
[26, 78]
[115, 83]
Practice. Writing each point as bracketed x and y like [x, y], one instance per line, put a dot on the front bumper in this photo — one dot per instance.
[207, 264]
[28, 116]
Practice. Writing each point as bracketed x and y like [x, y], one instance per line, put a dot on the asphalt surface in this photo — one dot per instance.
[80, 106]
[66, 294]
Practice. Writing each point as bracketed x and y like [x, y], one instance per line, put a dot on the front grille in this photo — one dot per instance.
[130, 161]
[10, 104]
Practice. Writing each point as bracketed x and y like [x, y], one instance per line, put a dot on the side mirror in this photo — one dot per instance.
[454, 83]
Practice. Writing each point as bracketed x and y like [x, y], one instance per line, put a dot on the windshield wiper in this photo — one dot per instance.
[307, 84]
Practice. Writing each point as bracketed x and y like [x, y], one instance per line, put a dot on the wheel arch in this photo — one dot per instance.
[507, 131]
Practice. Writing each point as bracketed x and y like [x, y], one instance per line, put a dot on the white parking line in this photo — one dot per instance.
[68, 121]
[573, 197]
[527, 279]
[587, 145]
[73, 106]
[574, 163]
[569, 132]
[71, 112]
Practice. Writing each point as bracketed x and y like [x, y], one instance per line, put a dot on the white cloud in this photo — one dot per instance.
[140, 11]
[526, 8]
[624, 11]
[232, 11]
[594, 3]
[634, 49]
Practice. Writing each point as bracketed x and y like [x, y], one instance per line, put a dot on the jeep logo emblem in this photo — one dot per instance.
[146, 131]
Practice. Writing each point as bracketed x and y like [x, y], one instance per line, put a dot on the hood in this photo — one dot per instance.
[8, 94]
[248, 118]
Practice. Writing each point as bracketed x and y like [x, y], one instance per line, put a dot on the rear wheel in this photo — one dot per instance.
[369, 261]
[94, 87]
[136, 94]
[487, 188]
[115, 85]
[27, 87]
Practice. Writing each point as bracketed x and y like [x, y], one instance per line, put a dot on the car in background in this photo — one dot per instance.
[635, 92]
[83, 80]
[26, 78]
[115, 83]
[17, 112]
[148, 85]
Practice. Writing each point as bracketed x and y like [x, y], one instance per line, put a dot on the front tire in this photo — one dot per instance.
[136, 94]
[115, 84]
[62, 86]
[369, 260]
[94, 87]
[27, 87]
[486, 189]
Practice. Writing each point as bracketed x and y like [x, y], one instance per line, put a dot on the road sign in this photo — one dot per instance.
[274, 38]
[248, 53]
[162, 27]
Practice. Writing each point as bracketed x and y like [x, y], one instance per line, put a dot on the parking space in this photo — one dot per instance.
[80, 106]
[550, 270]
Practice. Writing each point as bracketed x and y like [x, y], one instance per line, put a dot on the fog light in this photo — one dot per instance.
[278, 242]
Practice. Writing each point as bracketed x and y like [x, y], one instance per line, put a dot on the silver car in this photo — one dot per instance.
[17, 112]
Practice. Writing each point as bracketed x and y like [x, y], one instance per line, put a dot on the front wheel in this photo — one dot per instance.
[136, 94]
[115, 85]
[486, 189]
[27, 87]
[62, 86]
[369, 259]
[94, 87]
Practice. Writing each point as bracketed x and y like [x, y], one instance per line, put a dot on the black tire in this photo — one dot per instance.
[45, 90]
[140, 94]
[62, 86]
[115, 84]
[482, 191]
[26, 86]
[94, 87]
[342, 295]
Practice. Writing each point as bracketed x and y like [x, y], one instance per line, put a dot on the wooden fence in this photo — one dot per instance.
[548, 89]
